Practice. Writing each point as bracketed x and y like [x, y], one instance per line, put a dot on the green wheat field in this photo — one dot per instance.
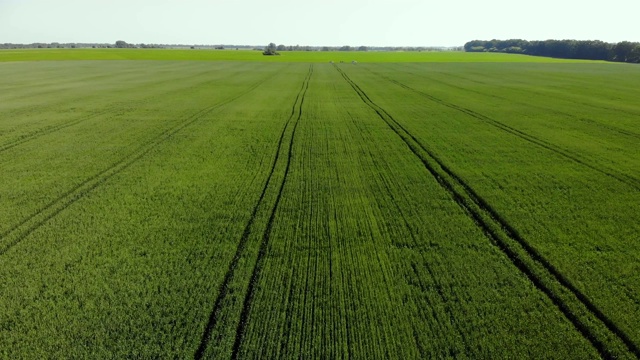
[225, 204]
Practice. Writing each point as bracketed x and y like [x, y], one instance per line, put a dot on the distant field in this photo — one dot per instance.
[249, 55]
[238, 209]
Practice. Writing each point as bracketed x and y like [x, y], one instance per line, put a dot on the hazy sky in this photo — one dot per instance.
[327, 22]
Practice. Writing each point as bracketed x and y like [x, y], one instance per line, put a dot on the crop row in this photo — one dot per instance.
[214, 329]
[359, 262]
[61, 108]
[582, 116]
[128, 267]
[83, 154]
[613, 324]
[239, 210]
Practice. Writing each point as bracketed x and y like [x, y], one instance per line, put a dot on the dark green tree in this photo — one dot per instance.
[622, 51]
[270, 50]
[634, 55]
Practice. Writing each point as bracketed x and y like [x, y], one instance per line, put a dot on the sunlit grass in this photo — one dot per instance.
[254, 55]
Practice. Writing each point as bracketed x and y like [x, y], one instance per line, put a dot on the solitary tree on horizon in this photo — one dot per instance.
[270, 50]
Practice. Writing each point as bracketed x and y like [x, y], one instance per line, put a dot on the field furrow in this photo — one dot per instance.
[341, 254]
[307, 206]
[246, 306]
[96, 153]
[523, 98]
[574, 90]
[24, 126]
[147, 259]
[14, 234]
[288, 130]
[605, 136]
[524, 258]
[627, 179]
[570, 214]
[114, 81]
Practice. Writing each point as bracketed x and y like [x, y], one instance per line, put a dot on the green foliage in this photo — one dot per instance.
[567, 49]
[121, 44]
[270, 50]
[179, 209]
[247, 55]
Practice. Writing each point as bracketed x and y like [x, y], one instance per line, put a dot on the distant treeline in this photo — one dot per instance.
[567, 49]
[56, 45]
[123, 44]
[365, 48]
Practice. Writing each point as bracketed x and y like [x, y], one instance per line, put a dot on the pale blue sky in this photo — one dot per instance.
[327, 22]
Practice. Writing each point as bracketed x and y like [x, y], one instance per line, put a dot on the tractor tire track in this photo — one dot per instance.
[387, 185]
[523, 255]
[626, 179]
[549, 95]
[578, 118]
[48, 130]
[56, 86]
[18, 232]
[255, 276]
[97, 95]
[229, 275]
[53, 128]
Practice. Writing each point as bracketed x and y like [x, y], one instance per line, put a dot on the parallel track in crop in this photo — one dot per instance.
[544, 276]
